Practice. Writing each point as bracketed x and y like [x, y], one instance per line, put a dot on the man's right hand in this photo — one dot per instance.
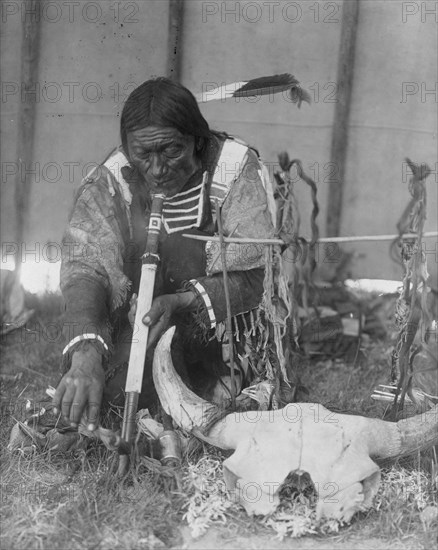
[81, 387]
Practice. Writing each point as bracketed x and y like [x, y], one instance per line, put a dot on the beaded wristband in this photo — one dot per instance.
[88, 336]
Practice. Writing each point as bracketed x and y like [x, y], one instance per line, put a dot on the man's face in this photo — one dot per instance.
[165, 158]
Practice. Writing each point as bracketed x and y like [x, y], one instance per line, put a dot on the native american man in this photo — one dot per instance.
[168, 147]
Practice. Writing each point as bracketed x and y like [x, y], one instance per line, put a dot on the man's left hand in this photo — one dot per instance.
[158, 318]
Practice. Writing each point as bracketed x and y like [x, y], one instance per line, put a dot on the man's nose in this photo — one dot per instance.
[157, 168]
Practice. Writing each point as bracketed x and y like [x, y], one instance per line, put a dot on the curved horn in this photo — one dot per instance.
[419, 432]
[396, 439]
[186, 408]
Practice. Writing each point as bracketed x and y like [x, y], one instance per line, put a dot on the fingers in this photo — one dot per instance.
[133, 301]
[67, 399]
[159, 316]
[161, 306]
[158, 329]
[153, 314]
[155, 332]
[71, 398]
[78, 405]
[57, 398]
[95, 400]
[133, 309]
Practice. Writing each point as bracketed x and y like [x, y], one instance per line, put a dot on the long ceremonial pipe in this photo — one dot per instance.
[137, 355]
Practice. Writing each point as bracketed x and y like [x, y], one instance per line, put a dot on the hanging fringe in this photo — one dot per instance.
[267, 337]
[276, 305]
[285, 284]
[411, 307]
[288, 228]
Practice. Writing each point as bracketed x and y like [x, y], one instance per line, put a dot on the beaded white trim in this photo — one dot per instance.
[207, 301]
[88, 336]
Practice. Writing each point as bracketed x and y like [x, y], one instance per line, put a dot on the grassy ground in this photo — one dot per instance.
[56, 501]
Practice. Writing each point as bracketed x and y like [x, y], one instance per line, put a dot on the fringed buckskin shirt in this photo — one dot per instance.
[107, 232]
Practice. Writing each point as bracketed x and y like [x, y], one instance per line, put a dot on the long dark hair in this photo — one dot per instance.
[162, 102]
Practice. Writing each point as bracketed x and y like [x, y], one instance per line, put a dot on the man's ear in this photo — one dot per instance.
[199, 143]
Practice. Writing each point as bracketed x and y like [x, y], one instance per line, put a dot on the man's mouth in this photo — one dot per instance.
[163, 183]
[166, 187]
[161, 186]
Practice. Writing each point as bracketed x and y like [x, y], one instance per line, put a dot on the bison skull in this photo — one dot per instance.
[336, 450]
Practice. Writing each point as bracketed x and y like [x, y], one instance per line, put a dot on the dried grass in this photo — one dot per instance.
[53, 501]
